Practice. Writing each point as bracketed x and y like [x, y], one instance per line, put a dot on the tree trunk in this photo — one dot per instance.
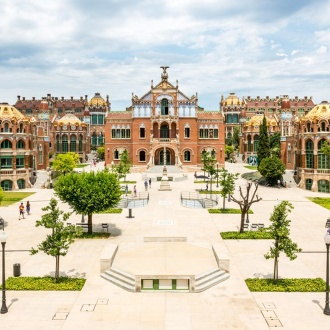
[242, 221]
[223, 204]
[57, 268]
[90, 224]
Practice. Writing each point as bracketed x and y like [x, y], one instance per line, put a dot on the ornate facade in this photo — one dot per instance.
[164, 124]
[24, 148]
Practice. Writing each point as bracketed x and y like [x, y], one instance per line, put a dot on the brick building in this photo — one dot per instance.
[164, 120]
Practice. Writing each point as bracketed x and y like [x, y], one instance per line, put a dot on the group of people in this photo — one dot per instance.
[146, 184]
[22, 210]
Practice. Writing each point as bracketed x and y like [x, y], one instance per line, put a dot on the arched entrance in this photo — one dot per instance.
[159, 156]
[168, 157]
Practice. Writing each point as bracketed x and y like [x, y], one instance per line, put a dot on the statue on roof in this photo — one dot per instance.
[164, 74]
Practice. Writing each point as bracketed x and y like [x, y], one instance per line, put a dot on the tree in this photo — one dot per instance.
[325, 149]
[227, 182]
[209, 161]
[2, 195]
[65, 162]
[229, 150]
[280, 232]
[272, 169]
[58, 242]
[124, 165]
[100, 153]
[263, 146]
[275, 144]
[245, 201]
[236, 136]
[89, 193]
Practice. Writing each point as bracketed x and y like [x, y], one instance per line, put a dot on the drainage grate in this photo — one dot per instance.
[60, 316]
[87, 308]
[274, 323]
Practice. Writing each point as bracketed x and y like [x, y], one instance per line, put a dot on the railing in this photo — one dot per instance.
[203, 199]
[132, 201]
[314, 170]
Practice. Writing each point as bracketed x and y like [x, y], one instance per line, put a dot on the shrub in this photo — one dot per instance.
[258, 234]
[111, 211]
[95, 235]
[227, 211]
[286, 285]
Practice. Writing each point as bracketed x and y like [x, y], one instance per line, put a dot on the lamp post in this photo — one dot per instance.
[217, 174]
[3, 239]
[326, 310]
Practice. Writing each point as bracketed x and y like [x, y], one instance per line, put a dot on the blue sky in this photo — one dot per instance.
[213, 47]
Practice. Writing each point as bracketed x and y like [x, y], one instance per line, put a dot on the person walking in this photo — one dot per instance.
[126, 189]
[149, 182]
[134, 191]
[28, 207]
[146, 185]
[21, 211]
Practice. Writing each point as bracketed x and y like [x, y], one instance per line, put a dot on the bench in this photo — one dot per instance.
[246, 226]
[105, 226]
[261, 225]
[254, 227]
[83, 225]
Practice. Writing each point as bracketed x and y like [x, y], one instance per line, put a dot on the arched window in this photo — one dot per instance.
[80, 143]
[309, 183]
[64, 143]
[73, 143]
[308, 127]
[6, 185]
[164, 131]
[164, 107]
[21, 183]
[94, 139]
[229, 141]
[186, 156]
[6, 144]
[20, 144]
[142, 156]
[309, 154]
[100, 140]
[58, 143]
[116, 154]
[213, 152]
[6, 128]
[323, 129]
[322, 159]
[255, 143]
[323, 186]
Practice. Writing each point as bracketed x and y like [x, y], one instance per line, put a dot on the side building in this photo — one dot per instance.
[164, 126]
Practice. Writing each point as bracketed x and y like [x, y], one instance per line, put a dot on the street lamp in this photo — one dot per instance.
[217, 174]
[3, 239]
[326, 310]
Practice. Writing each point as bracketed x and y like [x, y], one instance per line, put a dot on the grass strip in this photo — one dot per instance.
[322, 201]
[227, 211]
[258, 234]
[95, 235]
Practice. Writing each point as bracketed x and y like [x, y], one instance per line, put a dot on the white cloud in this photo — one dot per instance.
[295, 51]
[322, 50]
[281, 54]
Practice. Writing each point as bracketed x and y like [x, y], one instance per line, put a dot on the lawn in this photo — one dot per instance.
[258, 234]
[227, 211]
[12, 197]
[324, 202]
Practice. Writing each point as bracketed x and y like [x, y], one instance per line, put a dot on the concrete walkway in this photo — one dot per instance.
[229, 305]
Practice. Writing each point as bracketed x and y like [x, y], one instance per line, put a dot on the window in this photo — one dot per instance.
[80, 143]
[256, 143]
[6, 185]
[309, 183]
[186, 156]
[309, 154]
[164, 131]
[120, 133]
[322, 159]
[116, 154]
[28, 111]
[100, 139]
[6, 128]
[64, 143]
[187, 132]
[20, 144]
[40, 157]
[20, 162]
[21, 184]
[73, 143]
[6, 144]
[208, 133]
[142, 132]
[142, 156]
[323, 186]
[164, 107]
[249, 143]
[229, 119]
[94, 140]
[6, 162]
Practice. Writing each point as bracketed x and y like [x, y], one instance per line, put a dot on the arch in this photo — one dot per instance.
[80, 143]
[142, 156]
[20, 144]
[322, 159]
[6, 144]
[7, 185]
[21, 183]
[255, 143]
[164, 107]
[323, 186]
[58, 143]
[65, 143]
[164, 131]
[186, 156]
[309, 184]
[73, 143]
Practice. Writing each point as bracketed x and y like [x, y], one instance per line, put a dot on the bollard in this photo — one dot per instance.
[17, 270]
[130, 213]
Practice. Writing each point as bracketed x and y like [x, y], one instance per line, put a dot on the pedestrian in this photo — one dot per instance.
[207, 186]
[278, 184]
[21, 211]
[28, 207]
[146, 185]
[149, 182]
[126, 189]
[134, 191]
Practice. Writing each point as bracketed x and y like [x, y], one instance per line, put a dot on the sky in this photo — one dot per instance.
[212, 47]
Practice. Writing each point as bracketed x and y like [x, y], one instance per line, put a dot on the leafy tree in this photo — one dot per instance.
[275, 144]
[227, 182]
[89, 193]
[2, 195]
[280, 232]
[209, 161]
[100, 153]
[236, 136]
[58, 242]
[124, 165]
[272, 169]
[65, 162]
[263, 146]
[325, 149]
[245, 201]
[229, 150]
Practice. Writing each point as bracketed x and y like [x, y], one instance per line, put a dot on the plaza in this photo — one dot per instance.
[227, 305]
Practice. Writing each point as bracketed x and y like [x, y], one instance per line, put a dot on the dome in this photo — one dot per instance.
[69, 119]
[257, 121]
[319, 112]
[43, 105]
[8, 111]
[285, 103]
[97, 101]
[232, 99]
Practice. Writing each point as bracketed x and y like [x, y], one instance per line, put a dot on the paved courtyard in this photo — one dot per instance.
[228, 305]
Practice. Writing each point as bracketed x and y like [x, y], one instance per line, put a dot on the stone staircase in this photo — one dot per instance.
[210, 278]
[120, 278]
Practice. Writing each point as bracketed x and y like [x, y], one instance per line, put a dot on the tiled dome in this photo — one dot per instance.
[8, 111]
[97, 101]
[319, 112]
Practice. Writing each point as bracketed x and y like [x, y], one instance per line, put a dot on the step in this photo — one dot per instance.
[205, 274]
[122, 273]
[120, 277]
[207, 285]
[210, 278]
[121, 284]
